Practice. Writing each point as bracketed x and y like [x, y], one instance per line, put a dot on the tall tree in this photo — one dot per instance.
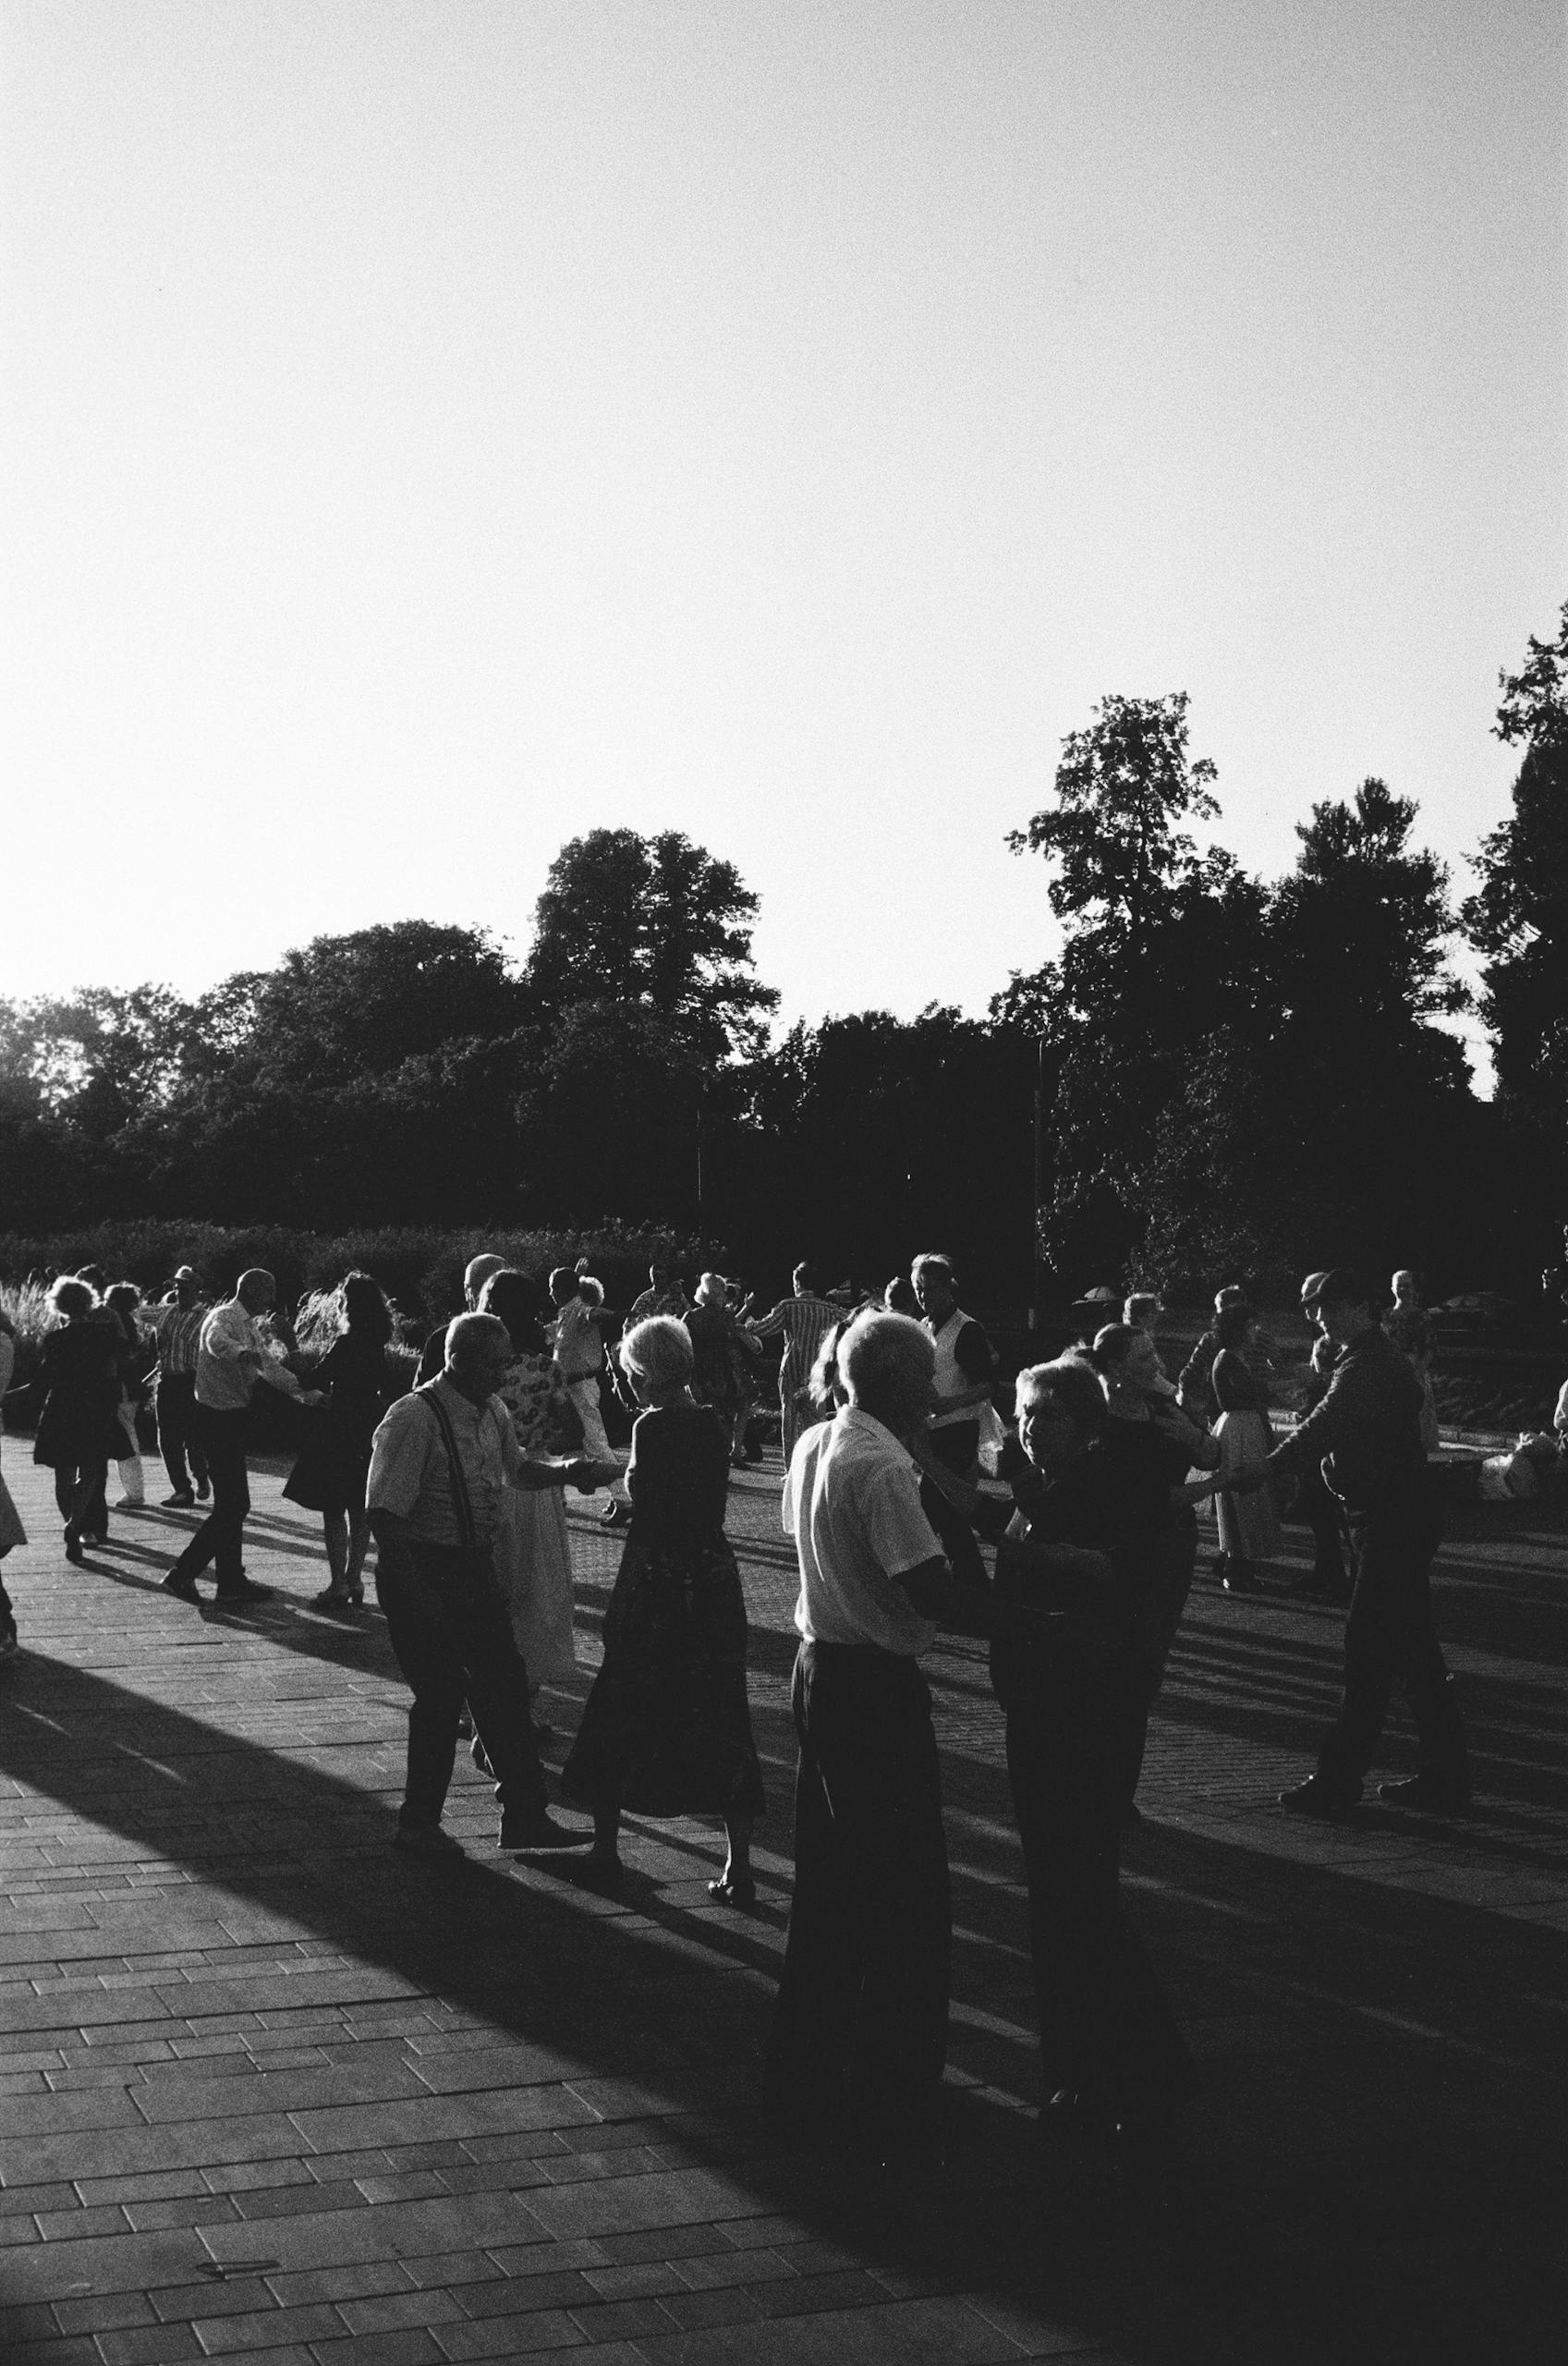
[1517, 919]
[657, 921]
[1164, 942]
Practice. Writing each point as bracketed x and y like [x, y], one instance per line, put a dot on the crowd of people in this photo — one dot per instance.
[897, 1472]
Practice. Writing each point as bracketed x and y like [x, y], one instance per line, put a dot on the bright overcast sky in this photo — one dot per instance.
[434, 428]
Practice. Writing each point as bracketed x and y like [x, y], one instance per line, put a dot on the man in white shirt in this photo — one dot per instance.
[231, 1357]
[862, 2006]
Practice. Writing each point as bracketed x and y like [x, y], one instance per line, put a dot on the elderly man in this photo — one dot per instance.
[177, 1328]
[1367, 1434]
[476, 1272]
[441, 1460]
[864, 1993]
[232, 1356]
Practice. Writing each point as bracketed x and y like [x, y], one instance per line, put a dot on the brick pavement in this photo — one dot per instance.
[270, 2091]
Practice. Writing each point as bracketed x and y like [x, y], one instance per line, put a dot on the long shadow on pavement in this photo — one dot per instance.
[1349, 2196]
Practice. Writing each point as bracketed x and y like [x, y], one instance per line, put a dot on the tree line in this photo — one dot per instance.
[1232, 1074]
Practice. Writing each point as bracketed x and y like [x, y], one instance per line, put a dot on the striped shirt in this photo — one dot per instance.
[178, 1333]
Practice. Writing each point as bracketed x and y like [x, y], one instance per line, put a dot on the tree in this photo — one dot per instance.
[1164, 943]
[1517, 919]
[348, 1006]
[656, 921]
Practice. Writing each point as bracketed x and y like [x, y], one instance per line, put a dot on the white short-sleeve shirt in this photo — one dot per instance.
[852, 1503]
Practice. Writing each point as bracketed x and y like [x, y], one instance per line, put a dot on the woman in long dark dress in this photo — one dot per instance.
[78, 1428]
[667, 1727]
[330, 1474]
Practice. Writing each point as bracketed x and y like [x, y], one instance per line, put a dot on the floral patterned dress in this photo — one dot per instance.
[533, 1553]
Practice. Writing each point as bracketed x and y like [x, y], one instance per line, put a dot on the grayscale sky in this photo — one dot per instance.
[434, 428]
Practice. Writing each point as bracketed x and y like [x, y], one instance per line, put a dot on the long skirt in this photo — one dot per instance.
[667, 1727]
[1249, 1525]
[533, 1563]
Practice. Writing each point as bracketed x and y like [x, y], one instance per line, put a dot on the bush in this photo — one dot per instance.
[420, 1269]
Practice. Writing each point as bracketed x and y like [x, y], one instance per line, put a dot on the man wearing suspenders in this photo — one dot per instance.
[441, 1459]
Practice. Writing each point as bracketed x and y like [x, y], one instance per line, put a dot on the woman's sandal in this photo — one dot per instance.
[741, 1894]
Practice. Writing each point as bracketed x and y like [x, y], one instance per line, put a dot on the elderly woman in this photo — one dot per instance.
[533, 1555]
[667, 1727]
[330, 1474]
[78, 1428]
[1079, 1550]
[716, 1376]
[1249, 1522]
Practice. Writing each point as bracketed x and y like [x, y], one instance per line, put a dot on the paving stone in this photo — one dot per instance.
[268, 2328]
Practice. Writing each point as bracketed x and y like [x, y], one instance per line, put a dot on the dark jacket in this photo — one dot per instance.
[1367, 1431]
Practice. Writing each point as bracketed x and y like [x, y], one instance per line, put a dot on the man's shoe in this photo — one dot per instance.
[427, 1840]
[183, 1586]
[204, 1489]
[73, 1548]
[1318, 1797]
[182, 1500]
[522, 1836]
[243, 1589]
[1427, 1794]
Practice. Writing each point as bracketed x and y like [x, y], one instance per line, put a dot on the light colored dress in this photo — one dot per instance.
[533, 1553]
[1249, 1524]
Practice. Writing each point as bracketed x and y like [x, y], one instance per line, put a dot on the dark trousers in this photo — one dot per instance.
[1390, 1634]
[81, 1496]
[218, 1539]
[956, 1448]
[1106, 2032]
[1324, 1515]
[864, 1993]
[451, 1634]
[179, 1430]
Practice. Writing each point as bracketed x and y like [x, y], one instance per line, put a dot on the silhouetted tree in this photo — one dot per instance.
[656, 921]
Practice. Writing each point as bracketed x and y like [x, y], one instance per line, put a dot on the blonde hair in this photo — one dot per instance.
[657, 1352]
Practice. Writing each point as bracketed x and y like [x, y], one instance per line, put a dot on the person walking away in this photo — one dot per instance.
[134, 1363]
[1142, 1312]
[232, 1357]
[329, 1475]
[861, 2018]
[441, 1462]
[801, 1321]
[1366, 1432]
[12, 1532]
[1250, 1523]
[1410, 1328]
[666, 1730]
[177, 1329]
[79, 1427]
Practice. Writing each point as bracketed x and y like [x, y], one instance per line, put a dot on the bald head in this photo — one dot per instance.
[478, 1271]
[257, 1290]
[886, 1363]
